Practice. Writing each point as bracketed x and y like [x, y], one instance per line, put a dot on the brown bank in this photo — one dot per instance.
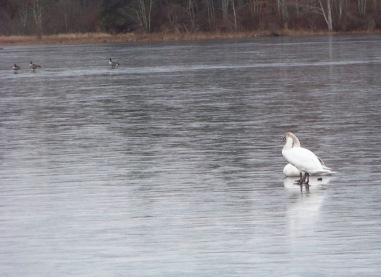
[134, 37]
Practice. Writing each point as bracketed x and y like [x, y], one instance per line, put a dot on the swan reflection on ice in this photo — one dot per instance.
[304, 212]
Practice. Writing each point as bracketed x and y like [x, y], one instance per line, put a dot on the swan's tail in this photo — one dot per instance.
[324, 171]
[326, 167]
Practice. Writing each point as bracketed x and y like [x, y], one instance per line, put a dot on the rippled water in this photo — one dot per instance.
[171, 165]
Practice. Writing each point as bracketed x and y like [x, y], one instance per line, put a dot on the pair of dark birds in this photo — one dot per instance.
[31, 65]
[34, 66]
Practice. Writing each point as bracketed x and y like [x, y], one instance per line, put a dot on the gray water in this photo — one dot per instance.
[171, 164]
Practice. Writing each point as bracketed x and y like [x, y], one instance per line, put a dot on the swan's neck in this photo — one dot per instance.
[289, 143]
[296, 142]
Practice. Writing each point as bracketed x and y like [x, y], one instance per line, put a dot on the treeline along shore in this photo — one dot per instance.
[101, 21]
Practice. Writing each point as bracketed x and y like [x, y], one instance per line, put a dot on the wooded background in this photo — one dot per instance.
[39, 17]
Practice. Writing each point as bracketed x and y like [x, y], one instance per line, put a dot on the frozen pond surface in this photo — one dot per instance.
[171, 164]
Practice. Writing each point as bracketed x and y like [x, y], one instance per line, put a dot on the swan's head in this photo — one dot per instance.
[295, 140]
[287, 135]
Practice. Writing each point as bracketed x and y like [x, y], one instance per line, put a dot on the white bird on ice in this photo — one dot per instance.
[291, 171]
[303, 159]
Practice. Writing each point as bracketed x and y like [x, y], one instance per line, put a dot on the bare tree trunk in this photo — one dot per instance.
[143, 14]
[235, 16]
[211, 14]
[225, 9]
[342, 7]
[362, 6]
[37, 15]
[190, 10]
[24, 14]
[283, 11]
[327, 14]
[225, 13]
[256, 6]
[340, 10]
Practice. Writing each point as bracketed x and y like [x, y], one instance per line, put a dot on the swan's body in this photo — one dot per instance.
[112, 63]
[16, 67]
[33, 65]
[302, 159]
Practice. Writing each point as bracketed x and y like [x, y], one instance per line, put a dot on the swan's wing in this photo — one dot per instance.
[325, 167]
[320, 160]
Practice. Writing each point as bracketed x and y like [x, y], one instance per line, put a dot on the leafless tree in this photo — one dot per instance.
[191, 12]
[37, 9]
[224, 8]
[325, 10]
[140, 12]
[342, 5]
[327, 14]
[256, 6]
[211, 14]
[24, 14]
[362, 6]
[283, 11]
[234, 15]
[225, 12]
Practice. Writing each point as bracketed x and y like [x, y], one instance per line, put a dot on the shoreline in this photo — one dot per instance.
[89, 38]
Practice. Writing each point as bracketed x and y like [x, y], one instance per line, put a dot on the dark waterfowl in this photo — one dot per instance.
[33, 65]
[16, 67]
[113, 63]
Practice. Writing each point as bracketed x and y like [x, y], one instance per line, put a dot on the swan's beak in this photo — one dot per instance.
[284, 139]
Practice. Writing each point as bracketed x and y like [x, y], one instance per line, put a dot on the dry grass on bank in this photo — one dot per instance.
[109, 38]
[74, 38]
[59, 38]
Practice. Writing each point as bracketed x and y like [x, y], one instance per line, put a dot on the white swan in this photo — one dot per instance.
[291, 171]
[303, 159]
